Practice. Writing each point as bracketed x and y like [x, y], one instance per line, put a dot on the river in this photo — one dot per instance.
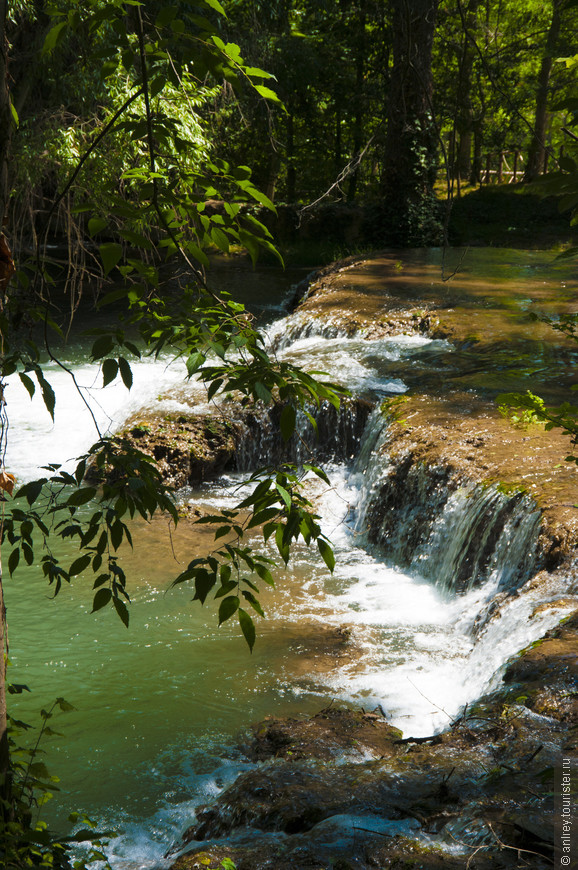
[158, 707]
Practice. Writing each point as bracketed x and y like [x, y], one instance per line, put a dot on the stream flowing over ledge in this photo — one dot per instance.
[451, 492]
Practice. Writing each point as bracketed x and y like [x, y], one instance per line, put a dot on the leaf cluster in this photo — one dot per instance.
[278, 507]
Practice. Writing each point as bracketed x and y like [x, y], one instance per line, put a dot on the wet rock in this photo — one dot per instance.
[331, 733]
[427, 457]
[337, 438]
[187, 449]
[548, 673]
[474, 795]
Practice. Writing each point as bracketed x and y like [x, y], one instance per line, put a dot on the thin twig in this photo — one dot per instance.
[347, 170]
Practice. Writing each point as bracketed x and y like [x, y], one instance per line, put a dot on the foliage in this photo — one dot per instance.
[164, 196]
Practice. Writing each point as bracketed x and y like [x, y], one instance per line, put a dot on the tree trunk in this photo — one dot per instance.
[359, 97]
[476, 173]
[537, 150]
[409, 165]
[5, 114]
[464, 114]
[6, 268]
[290, 156]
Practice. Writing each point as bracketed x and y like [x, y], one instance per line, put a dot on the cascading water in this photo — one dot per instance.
[162, 703]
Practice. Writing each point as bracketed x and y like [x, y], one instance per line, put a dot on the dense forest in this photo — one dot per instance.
[137, 140]
[372, 102]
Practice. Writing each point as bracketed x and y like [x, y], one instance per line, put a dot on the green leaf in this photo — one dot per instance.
[13, 560]
[81, 496]
[194, 363]
[264, 574]
[102, 346]
[220, 239]
[284, 494]
[260, 73]
[96, 225]
[204, 582]
[137, 239]
[79, 565]
[287, 422]
[282, 546]
[158, 84]
[121, 609]
[261, 517]
[109, 371]
[228, 586]
[267, 93]
[47, 393]
[227, 608]
[253, 602]
[263, 393]
[125, 372]
[110, 254]
[247, 627]
[214, 4]
[54, 36]
[101, 599]
[213, 388]
[28, 383]
[326, 553]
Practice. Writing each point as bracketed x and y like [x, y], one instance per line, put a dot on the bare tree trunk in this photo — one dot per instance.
[360, 59]
[409, 166]
[6, 268]
[464, 114]
[537, 150]
[6, 122]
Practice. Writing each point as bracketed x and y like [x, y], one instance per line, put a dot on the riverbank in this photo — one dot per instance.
[495, 215]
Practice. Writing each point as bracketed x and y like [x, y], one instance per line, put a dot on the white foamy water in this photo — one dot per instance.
[358, 363]
[414, 651]
[35, 440]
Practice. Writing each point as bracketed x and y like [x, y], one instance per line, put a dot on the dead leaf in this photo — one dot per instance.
[7, 482]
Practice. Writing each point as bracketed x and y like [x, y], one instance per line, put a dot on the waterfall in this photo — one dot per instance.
[428, 520]
[283, 333]
[480, 534]
[337, 439]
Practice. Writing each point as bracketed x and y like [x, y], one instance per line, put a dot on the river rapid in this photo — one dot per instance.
[158, 708]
